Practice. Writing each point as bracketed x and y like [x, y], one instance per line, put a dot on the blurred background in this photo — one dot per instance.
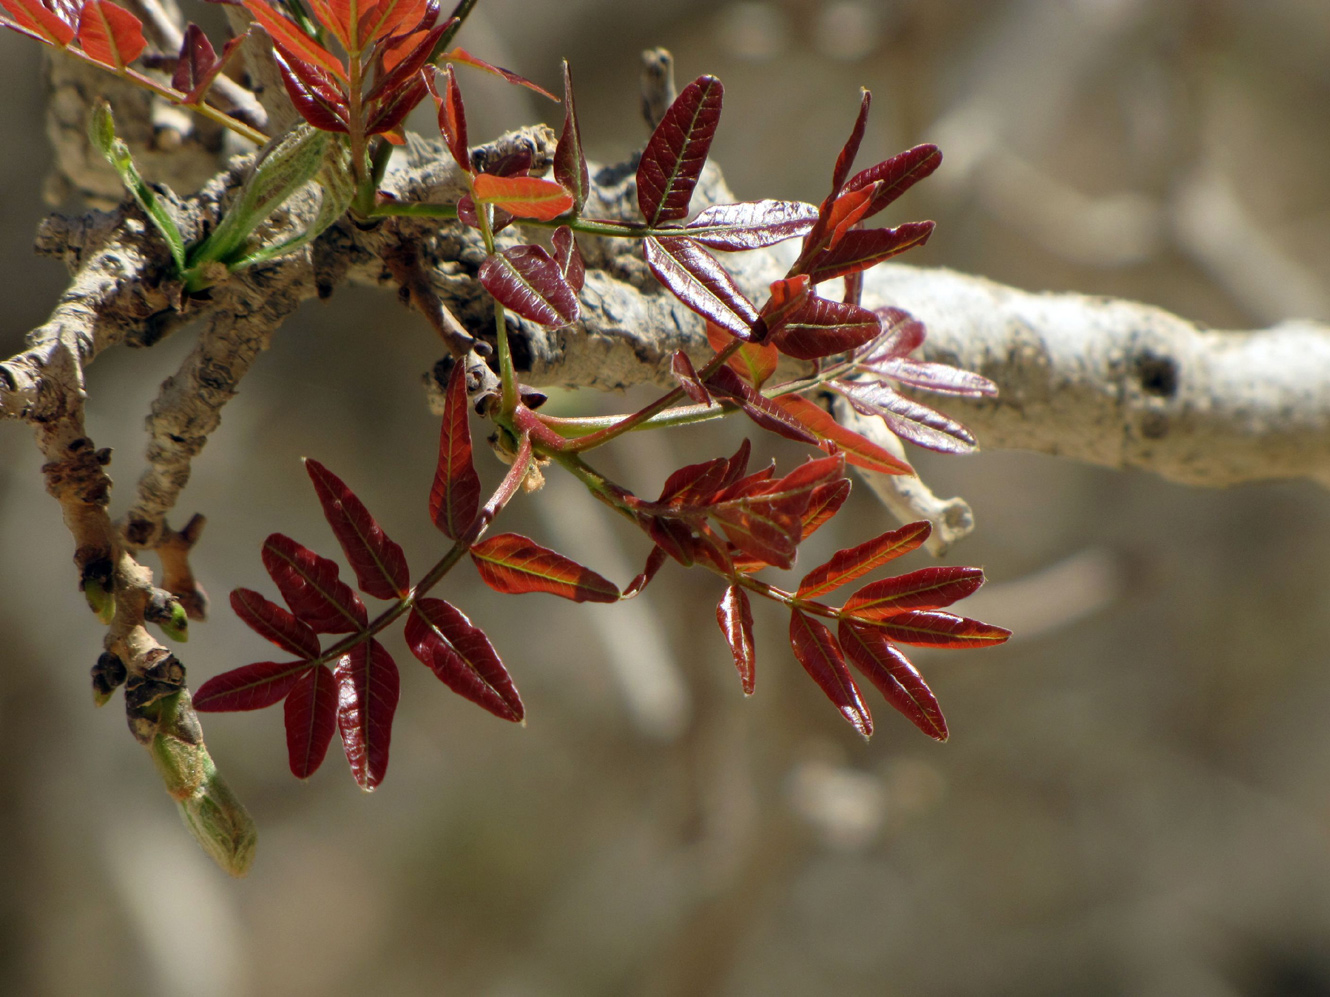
[1136, 795]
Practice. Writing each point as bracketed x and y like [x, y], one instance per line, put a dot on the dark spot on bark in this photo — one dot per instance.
[1154, 426]
[139, 531]
[82, 443]
[1158, 375]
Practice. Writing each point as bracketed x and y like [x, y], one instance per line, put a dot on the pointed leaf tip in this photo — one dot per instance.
[377, 560]
[677, 150]
[462, 657]
[515, 564]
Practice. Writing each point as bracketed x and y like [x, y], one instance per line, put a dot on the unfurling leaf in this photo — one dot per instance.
[523, 197]
[195, 62]
[525, 280]
[467, 59]
[311, 719]
[568, 257]
[310, 586]
[514, 564]
[452, 114]
[252, 687]
[570, 167]
[683, 371]
[655, 560]
[735, 617]
[110, 34]
[750, 224]
[368, 687]
[462, 657]
[271, 622]
[677, 151]
[314, 92]
[930, 629]
[896, 678]
[927, 588]
[377, 560]
[454, 498]
[846, 565]
[817, 651]
[697, 279]
[858, 450]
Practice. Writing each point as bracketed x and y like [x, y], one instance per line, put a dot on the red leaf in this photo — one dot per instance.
[570, 167]
[462, 657]
[751, 224]
[249, 688]
[311, 718]
[467, 59]
[816, 650]
[655, 560]
[523, 197]
[271, 622]
[697, 279]
[902, 333]
[452, 114]
[290, 36]
[936, 377]
[454, 498]
[929, 629]
[401, 64]
[196, 60]
[677, 150]
[860, 451]
[907, 418]
[569, 259]
[899, 681]
[310, 586]
[525, 280]
[515, 564]
[846, 565]
[927, 588]
[683, 371]
[818, 327]
[394, 108]
[762, 410]
[824, 503]
[110, 34]
[845, 212]
[378, 561]
[863, 248]
[56, 26]
[368, 688]
[382, 19]
[754, 362]
[766, 519]
[313, 92]
[896, 175]
[735, 617]
[851, 148]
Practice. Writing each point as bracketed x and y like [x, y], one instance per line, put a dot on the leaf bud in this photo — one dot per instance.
[107, 676]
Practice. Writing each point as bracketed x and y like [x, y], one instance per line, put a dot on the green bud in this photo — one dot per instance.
[101, 129]
[100, 600]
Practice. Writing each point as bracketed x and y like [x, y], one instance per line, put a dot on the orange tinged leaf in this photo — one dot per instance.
[524, 197]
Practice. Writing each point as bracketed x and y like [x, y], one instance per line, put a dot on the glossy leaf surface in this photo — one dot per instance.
[932, 629]
[525, 280]
[816, 649]
[313, 93]
[523, 197]
[735, 616]
[927, 588]
[368, 688]
[846, 565]
[754, 362]
[290, 37]
[454, 498]
[895, 677]
[462, 657]
[252, 687]
[378, 561]
[762, 410]
[271, 622]
[311, 588]
[452, 114]
[683, 371]
[819, 327]
[896, 175]
[908, 419]
[569, 257]
[863, 248]
[698, 280]
[311, 719]
[858, 450]
[824, 503]
[514, 564]
[677, 150]
[570, 167]
[751, 224]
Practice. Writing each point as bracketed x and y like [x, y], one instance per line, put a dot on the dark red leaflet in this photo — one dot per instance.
[568, 257]
[525, 280]
[655, 560]
[896, 175]
[751, 224]
[454, 498]
[858, 450]
[368, 688]
[846, 565]
[845, 160]
[816, 649]
[936, 377]
[195, 60]
[697, 279]
[677, 150]
[378, 562]
[735, 616]
[895, 677]
[901, 333]
[271, 622]
[932, 629]
[516, 565]
[761, 409]
[462, 657]
[926, 588]
[824, 503]
[311, 719]
[311, 588]
[570, 167]
[683, 371]
[908, 419]
[863, 248]
[318, 104]
[251, 687]
[394, 107]
[819, 327]
[452, 114]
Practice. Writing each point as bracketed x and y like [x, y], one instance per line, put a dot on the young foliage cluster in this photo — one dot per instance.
[717, 514]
